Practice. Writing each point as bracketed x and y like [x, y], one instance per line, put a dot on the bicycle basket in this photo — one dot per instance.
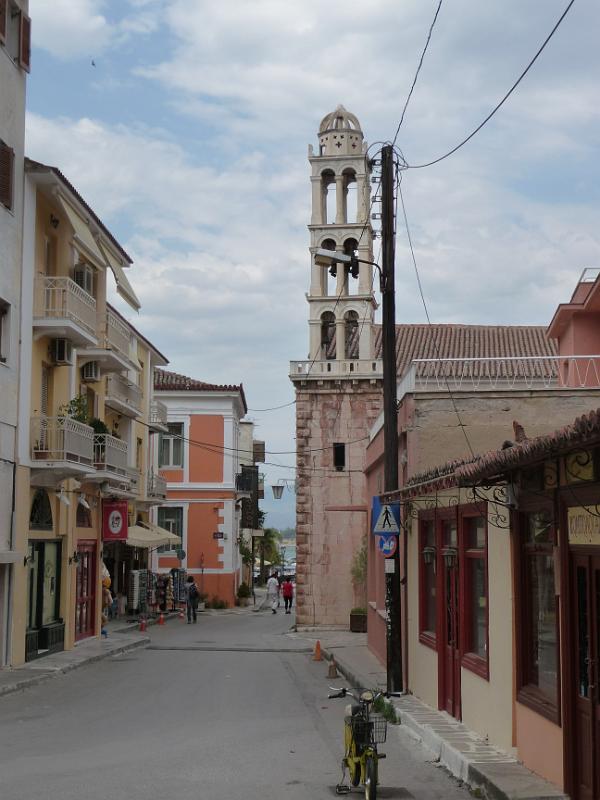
[371, 731]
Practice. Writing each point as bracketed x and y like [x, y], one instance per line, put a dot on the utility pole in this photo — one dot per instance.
[390, 421]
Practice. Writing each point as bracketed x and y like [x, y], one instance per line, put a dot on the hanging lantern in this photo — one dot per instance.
[428, 555]
[278, 491]
[450, 557]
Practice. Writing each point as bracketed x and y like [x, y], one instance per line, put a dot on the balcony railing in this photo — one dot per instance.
[63, 299]
[60, 439]
[158, 415]
[110, 454]
[115, 335]
[123, 391]
[157, 486]
[495, 374]
[371, 368]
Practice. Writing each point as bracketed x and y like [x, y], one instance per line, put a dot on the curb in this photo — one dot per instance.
[34, 680]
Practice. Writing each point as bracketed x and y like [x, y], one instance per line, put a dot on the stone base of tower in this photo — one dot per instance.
[331, 504]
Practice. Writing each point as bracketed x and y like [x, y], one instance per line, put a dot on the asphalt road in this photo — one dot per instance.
[229, 708]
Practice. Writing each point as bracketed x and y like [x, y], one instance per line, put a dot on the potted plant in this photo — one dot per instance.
[243, 594]
[358, 620]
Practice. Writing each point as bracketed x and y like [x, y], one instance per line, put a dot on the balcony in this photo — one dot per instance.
[123, 395]
[112, 353]
[61, 448]
[62, 309]
[158, 417]
[533, 373]
[110, 460]
[157, 487]
[328, 370]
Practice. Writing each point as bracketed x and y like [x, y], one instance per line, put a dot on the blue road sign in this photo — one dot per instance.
[387, 544]
[388, 520]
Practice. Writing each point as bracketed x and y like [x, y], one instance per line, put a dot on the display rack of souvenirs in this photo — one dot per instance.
[133, 595]
[170, 595]
[161, 591]
[178, 576]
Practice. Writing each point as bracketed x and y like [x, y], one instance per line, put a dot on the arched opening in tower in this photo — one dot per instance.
[329, 274]
[350, 196]
[328, 335]
[328, 190]
[352, 332]
[352, 272]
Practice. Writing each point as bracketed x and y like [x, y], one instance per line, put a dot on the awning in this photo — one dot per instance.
[139, 536]
[163, 533]
[83, 235]
[124, 288]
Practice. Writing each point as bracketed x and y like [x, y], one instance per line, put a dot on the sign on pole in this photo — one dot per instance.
[388, 520]
[387, 544]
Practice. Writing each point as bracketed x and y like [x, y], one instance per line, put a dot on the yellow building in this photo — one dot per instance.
[86, 418]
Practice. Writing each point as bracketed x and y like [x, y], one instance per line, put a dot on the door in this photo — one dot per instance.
[586, 627]
[449, 654]
[85, 592]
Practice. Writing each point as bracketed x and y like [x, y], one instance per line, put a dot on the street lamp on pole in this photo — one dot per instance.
[327, 258]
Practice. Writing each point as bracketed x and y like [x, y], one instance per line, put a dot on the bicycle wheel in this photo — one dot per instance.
[370, 778]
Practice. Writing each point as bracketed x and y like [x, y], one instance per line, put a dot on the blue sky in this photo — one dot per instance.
[189, 138]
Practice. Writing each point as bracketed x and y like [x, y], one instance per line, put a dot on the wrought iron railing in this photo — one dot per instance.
[62, 298]
[61, 439]
[157, 486]
[115, 334]
[158, 413]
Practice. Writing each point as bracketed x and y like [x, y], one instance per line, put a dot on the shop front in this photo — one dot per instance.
[86, 589]
[45, 628]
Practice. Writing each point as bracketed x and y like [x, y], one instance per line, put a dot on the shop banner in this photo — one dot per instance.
[114, 520]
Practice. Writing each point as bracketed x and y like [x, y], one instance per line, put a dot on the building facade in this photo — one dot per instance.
[15, 34]
[199, 458]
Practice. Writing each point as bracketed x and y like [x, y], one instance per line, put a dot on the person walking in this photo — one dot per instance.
[192, 595]
[287, 590]
[273, 592]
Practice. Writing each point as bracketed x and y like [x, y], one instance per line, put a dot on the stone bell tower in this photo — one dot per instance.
[339, 386]
[341, 301]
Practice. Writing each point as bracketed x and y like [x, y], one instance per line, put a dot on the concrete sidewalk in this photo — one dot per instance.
[491, 772]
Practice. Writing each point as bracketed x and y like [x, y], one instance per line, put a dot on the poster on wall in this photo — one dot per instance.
[114, 520]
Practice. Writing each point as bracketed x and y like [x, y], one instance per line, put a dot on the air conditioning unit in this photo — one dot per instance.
[61, 351]
[90, 372]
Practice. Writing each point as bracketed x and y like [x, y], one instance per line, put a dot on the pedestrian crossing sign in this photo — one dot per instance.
[388, 520]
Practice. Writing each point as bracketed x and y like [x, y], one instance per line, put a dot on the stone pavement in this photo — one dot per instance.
[487, 770]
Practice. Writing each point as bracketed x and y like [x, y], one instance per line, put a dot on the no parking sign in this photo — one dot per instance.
[387, 544]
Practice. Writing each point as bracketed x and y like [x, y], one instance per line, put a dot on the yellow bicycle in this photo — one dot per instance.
[363, 731]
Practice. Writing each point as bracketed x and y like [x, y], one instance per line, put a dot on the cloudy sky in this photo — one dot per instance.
[188, 135]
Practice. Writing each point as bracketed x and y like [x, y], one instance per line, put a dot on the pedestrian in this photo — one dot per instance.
[192, 595]
[287, 589]
[273, 592]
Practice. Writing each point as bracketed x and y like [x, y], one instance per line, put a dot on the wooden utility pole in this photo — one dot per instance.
[390, 421]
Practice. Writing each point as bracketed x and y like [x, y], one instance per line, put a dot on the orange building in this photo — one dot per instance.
[200, 459]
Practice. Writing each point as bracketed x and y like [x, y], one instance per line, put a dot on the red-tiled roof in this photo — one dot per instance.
[465, 341]
[165, 381]
[583, 432]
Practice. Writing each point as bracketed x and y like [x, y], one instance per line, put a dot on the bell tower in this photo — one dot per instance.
[341, 299]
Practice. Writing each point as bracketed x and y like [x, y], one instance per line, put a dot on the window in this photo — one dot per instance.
[83, 276]
[4, 331]
[170, 518]
[428, 582]
[15, 33]
[339, 457]
[475, 595]
[538, 614]
[7, 166]
[170, 452]
[83, 516]
[40, 515]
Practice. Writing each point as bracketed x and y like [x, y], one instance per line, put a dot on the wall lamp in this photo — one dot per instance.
[83, 502]
[74, 559]
[27, 560]
[450, 557]
[63, 497]
[54, 221]
[428, 555]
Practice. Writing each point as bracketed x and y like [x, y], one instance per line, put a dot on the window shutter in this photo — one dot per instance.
[25, 42]
[3, 10]
[7, 160]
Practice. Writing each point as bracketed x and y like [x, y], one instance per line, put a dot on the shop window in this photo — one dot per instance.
[171, 446]
[474, 593]
[427, 583]
[537, 610]
[40, 515]
[170, 518]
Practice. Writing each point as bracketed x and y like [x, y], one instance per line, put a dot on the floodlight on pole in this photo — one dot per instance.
[328, 258]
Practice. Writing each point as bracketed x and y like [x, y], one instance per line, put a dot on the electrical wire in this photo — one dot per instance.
[431, 27]
[273, 408]
[503, 100]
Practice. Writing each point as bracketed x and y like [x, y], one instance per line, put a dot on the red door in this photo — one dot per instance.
[586, 626]
[449, 653]
[85, 595]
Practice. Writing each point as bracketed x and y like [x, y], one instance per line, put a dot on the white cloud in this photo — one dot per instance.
[70, 28]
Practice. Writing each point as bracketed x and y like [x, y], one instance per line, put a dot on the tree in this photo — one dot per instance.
[269, 549]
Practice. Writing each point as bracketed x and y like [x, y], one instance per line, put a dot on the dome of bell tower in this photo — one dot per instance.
[340, 134]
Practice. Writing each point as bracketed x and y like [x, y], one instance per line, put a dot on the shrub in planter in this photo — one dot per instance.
[243, 590]
[358, 620]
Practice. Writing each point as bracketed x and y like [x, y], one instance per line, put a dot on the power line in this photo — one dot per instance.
[431, 27]
[504, 99]
[273, 408]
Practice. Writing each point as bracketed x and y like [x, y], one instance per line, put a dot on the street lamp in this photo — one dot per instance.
[278, 490]
[327, 258]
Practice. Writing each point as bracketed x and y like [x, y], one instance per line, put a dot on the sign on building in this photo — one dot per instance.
[114, 520]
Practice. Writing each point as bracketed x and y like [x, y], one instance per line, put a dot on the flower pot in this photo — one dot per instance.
[358, 623]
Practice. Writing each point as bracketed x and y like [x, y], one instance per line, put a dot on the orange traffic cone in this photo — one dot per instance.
[142, 624]
[332, 671]
[161, 619]
[317, 654]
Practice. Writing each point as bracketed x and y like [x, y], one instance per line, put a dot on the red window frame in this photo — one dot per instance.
[426, 636]
[528, 693]
[470, 660]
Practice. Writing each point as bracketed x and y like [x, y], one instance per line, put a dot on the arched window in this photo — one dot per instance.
[350, 195]
[328, 335]
[329, 199]
[329, 275]
[351, 334]
[40, 516]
